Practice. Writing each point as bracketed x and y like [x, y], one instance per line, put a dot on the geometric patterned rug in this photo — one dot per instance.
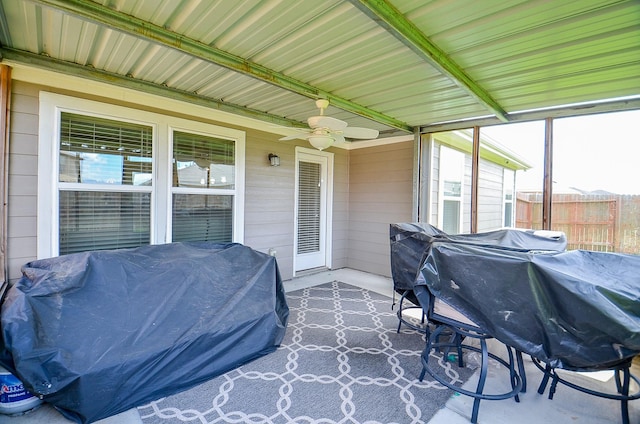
[341, 361]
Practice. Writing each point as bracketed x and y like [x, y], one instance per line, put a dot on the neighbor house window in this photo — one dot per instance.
[451, 183]
[124, 178]
[508, 197]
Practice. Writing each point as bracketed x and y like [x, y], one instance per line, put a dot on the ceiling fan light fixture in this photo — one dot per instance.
[320, 142]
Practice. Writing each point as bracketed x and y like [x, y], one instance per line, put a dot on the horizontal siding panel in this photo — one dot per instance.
[23, 144]
[371, 265]
[24, 123]
[22, 226]
[20, 245]
[23, 164]
[24, 103]
[22, 206]
[23, 185]
[15, 265]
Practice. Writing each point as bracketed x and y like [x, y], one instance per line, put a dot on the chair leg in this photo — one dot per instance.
[399, 313]
[481, 380]
[430, 337]
[459, 345]
[545, 379]
[554, 384]
[523, 376]
[512, 373]
[624, 391]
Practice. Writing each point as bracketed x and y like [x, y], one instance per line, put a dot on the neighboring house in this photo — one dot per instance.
[449, 182]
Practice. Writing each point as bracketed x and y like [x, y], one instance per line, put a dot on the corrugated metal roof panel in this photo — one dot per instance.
[525, 54]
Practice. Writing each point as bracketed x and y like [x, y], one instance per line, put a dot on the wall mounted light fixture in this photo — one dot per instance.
[274, 159]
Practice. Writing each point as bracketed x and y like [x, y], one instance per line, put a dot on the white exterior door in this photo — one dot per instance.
[312, 216]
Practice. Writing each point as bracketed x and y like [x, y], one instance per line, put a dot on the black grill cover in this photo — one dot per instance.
[98, 333]
[577, 310]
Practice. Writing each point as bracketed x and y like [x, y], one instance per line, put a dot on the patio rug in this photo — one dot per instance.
[341, 361]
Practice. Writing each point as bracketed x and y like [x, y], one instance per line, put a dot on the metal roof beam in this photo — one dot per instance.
[617, 105]
[397, 24]
[131, 25]
[48, 63]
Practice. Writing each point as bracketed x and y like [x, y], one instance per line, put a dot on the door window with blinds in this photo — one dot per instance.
[309, 191]
[124, 178]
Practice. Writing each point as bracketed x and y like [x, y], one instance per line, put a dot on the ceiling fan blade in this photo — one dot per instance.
[358, 132]
[338, 138]
[294, 137]
[326, 122]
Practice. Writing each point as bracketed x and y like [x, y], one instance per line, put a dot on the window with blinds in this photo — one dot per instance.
[309, 198]
[105, 184]
[126, 178]
[204, 187]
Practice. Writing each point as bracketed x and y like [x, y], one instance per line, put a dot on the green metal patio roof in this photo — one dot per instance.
[398, 66]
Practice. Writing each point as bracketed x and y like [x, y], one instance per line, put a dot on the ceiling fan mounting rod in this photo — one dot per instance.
[322, 104]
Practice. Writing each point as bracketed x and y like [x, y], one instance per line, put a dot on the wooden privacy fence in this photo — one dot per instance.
[600, 222]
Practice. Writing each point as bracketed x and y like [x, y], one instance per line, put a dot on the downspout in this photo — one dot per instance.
[5, 98]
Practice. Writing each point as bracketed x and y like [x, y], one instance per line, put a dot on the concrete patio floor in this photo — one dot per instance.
[567, 406]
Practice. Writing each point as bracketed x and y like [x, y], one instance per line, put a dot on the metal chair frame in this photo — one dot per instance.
[401, 319]
[622, 375]
[459, 331]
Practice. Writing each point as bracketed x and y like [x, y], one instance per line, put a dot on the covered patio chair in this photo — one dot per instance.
[458, 327]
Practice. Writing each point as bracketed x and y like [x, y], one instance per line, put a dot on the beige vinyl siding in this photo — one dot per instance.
[466, 197]
[269, 198]
[434, 194]
[380, 193]
[490, 192]
[22, 187]
[341, 224]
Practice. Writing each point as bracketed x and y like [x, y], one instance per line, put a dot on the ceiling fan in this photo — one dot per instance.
[324, 130]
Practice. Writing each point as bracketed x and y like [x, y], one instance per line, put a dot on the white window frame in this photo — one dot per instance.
[51, 107]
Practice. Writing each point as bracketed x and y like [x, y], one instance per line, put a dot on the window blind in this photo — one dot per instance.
[94, 220]
[111, 154]
[202, 162]
[309, 207]
[199, 217]
[101, 151]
